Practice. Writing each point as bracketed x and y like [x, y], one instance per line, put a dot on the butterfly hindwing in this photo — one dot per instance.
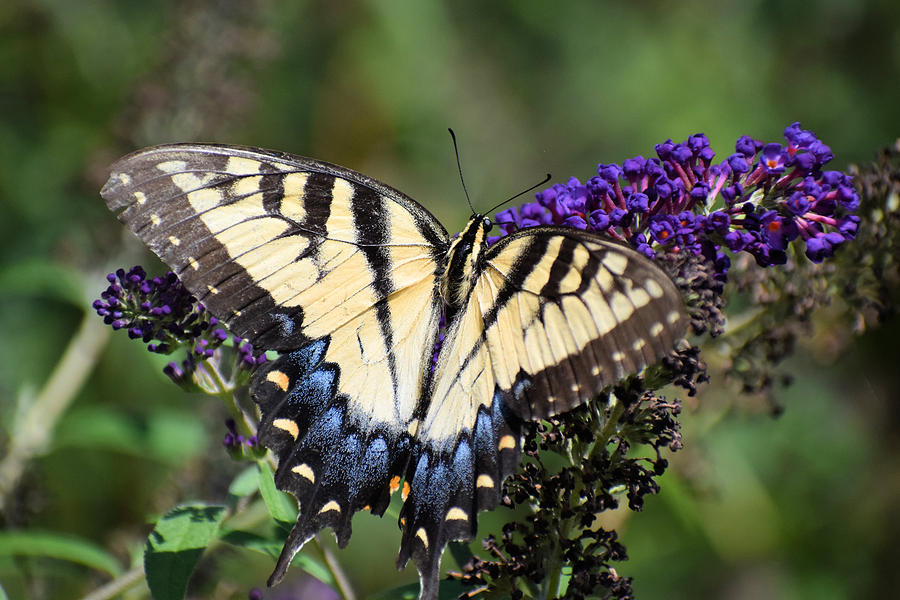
[334, 462]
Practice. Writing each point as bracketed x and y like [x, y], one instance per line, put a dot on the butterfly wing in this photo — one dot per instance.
[284, 249]
[323, 263]
[556, 315]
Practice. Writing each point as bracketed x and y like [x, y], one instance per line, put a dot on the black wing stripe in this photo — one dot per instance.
[368, 209]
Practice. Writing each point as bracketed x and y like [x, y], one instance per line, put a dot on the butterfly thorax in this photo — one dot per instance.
[462, 261]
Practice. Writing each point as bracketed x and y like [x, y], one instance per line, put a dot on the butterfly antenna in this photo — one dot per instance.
[523, 192]
[459, 167]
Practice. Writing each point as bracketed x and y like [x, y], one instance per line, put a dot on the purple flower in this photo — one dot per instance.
[758, 200]
[773, 158]
[633, 168]
[664, 150]
[610, 173]
[638, 203]
[641, 245]
[576, 221]
[798, 203]
[718, 222]
[747, 146]
[682, 153]
[661, 229]
[777, 231]
[818, 248]
[164, 315]
[848, 226]
[738, 164]
[798, 137]
[620, 217]
[599, 220]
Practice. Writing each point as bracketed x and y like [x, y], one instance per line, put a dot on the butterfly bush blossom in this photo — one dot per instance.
[758, 200]
[163, 314]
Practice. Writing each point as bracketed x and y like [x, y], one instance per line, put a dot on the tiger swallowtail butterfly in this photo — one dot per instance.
[349, 280]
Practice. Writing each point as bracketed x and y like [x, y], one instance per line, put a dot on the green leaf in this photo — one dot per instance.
[450, 589]
[253, 541]
[52, 545]
[40, 277]
[245, 483]
[280, 505]
[176, 544]
[168, 436]
[272, 548]
[461, 553]
[174, 437]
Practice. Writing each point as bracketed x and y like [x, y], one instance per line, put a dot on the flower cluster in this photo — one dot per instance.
[758, 200]
[234, 439]
[562, 528]
[162, 313]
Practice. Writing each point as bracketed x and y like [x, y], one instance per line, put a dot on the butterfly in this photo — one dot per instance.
[408, 358]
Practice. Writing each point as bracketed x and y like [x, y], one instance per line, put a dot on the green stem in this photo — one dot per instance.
[119, 585]
[554, 569]
[616, 408]
[340, 578]
[33, 430]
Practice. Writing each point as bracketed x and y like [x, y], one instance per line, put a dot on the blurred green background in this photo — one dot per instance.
[803, 506]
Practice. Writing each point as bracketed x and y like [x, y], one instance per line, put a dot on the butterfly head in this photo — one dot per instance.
[462, 261]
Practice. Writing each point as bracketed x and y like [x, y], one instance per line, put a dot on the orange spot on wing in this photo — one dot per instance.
[279, 378]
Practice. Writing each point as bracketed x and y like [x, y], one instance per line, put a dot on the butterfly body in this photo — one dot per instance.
[349, 279]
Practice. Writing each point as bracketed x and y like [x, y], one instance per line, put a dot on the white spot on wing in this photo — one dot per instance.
[422, 535]
[242, 166]
[331, 505]
[639, 297]
[456, 514]
[615, 262]
[621, 307]
[172, 166]
[653, 288]
[485, 481]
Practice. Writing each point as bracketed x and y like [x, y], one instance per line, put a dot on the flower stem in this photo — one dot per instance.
[119, 585]
[616, 408]
[34, 428]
